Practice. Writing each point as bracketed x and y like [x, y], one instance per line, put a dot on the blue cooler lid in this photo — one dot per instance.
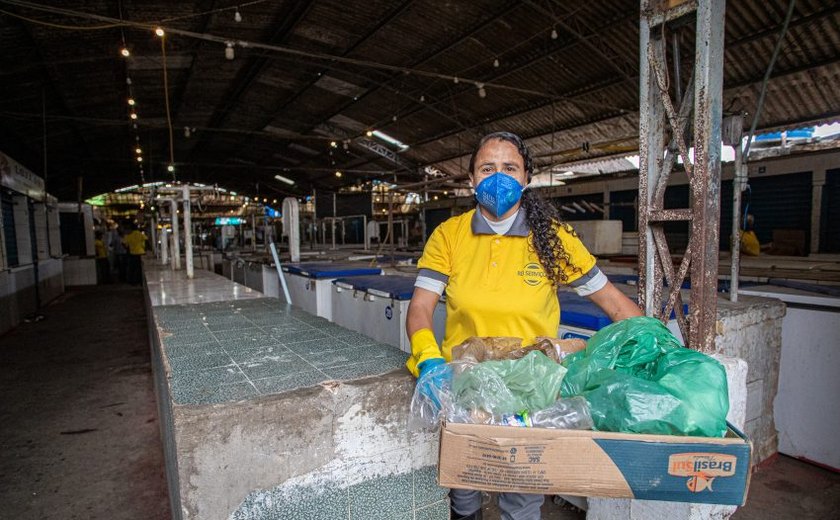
[319, 270]
[393, 286]
[577, 311]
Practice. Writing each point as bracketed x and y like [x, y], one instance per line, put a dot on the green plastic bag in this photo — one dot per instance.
[510, 386]
[637, 378]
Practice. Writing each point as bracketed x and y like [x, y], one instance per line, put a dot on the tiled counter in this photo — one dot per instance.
[269, 412]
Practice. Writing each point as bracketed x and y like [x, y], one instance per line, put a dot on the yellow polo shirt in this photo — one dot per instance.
[135, 242]
[750, 245]
[495, 284]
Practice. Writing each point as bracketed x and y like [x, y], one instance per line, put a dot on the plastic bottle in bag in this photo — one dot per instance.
[570, 413]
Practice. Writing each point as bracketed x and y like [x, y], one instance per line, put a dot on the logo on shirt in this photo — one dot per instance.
[533, 274]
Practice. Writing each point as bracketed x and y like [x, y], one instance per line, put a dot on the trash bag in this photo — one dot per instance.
[510, 386]
[638, 378]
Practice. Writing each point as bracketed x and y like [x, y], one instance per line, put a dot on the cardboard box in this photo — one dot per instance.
[590, 463]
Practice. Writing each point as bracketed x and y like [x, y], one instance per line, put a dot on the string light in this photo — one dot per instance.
[496, 63]
[133, 115]
[369, 133]
[131, 102]
[236, 16]
[170, 168]
[553, 34]
[333, 144]
[455, 80]
[481, 92]
[338, 174]
[138, 150]
[229, 52]
[159, 32]
[422, 99]
[139, 159]
[125, 52]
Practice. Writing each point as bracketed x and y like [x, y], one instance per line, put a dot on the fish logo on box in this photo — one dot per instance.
[701, 468]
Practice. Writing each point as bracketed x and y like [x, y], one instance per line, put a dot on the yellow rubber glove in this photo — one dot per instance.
[423, 346]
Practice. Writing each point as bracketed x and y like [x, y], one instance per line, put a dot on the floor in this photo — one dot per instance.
[80, 436]
[94, 451]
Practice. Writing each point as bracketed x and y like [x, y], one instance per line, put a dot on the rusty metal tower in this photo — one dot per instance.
[674, 118]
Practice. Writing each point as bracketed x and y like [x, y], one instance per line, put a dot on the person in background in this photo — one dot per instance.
[750, 246]
[103, 267]
[135, 242]
[121, 252]
[500, 265]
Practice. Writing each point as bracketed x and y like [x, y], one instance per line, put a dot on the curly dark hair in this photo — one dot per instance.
[542, 217]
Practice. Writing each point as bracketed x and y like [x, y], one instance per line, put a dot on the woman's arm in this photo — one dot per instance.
[421, 310]
[615, 303]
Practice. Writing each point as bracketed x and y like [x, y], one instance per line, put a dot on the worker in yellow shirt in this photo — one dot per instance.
[750, 246]
[500, 265]
[103, 267]
[135, 242]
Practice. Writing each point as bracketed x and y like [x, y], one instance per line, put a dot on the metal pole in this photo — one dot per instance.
[176, 244]
[705, 182]
[735, 237]
[188, 252]
[276, 257]
[253, 232]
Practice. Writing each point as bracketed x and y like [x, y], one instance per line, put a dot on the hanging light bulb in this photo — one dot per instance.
[125, 52]
[138, 150]
[394, 118]
[170, 168]
[236, 16]
[553, 34]
[496, 63]
[159, 32]
[455, 80]
[139, 159]
[131, 102]
[338, 174]
[422, 99]
[229, 52]
[187, 132]
[333, 144]
[133, 115]
[369, 133]
[481, 92]
[128, 80]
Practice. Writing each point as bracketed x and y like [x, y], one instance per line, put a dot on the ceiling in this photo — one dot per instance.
[305, 74]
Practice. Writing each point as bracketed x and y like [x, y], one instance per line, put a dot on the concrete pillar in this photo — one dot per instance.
[188, 253]
[176, 245]
[817, 183]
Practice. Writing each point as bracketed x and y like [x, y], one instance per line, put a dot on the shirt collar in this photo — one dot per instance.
[519, 228]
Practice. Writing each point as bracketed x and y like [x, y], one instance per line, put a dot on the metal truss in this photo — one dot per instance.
[663, 117]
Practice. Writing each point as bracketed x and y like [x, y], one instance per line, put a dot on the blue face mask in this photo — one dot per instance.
[498, 193]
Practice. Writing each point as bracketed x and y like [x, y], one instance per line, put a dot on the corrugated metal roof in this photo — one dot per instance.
[307, 73]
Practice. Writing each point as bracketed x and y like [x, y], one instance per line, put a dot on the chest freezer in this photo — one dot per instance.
[377, 306]
[310, 283]
[806, 409]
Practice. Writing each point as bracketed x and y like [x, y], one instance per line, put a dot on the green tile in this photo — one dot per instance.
[426, 489]
[213, 385]
[245, 338]
[316, 346]
[288, 382]
[284, 335]
[264, 366]
[194, 349]
[188, 339]
[199, 362]
[360, 370]
[436, 511]
[354, 339]
[384, 497]
[220, 325]
[298, 503]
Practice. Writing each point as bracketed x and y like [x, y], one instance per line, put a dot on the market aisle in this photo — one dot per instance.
[80, 435]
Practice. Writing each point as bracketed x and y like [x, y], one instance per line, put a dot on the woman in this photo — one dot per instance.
[501, 265]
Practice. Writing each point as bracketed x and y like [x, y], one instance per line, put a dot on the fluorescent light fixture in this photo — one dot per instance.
[390, 140]
[284, 179]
